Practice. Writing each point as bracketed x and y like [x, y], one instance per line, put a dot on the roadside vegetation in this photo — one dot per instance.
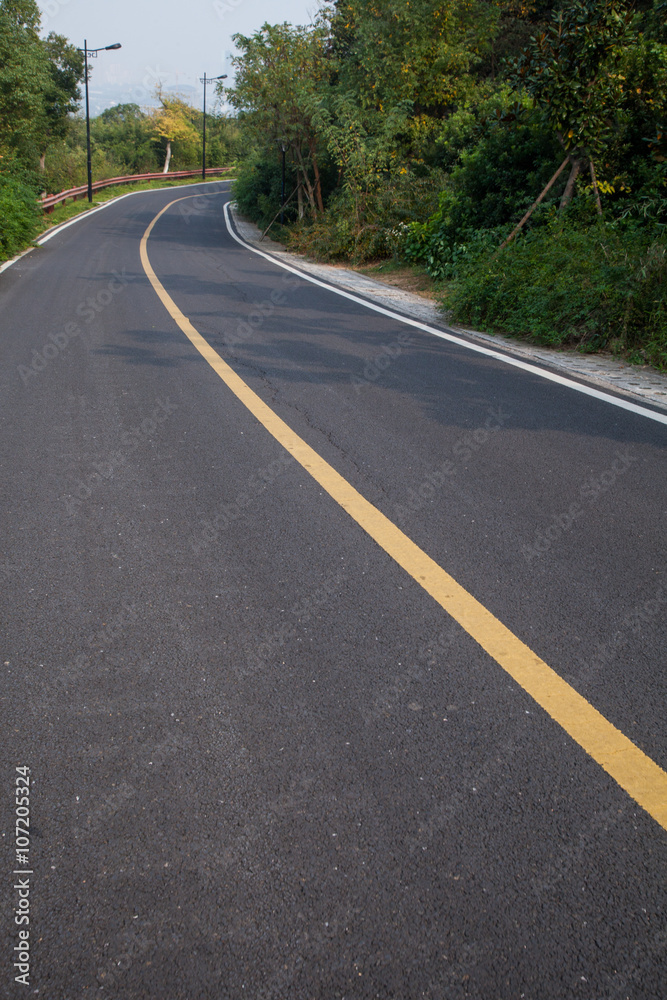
[43, 132]
[516, 151]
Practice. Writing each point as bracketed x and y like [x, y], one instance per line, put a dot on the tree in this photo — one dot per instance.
[126, 134]
[23, 80]
[281, 76]
[65, 64]
[363, 145]
[420, 51]
[572, 72]
[38, 85]
[173, 122]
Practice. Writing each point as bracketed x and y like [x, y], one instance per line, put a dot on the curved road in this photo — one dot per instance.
[265, 762]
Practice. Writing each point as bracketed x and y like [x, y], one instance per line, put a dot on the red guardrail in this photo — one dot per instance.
[48, 202]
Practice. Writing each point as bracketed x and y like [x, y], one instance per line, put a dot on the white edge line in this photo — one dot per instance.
[624, 404]
[8, 263]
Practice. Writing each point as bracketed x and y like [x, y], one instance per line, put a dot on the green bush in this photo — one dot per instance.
[124, 134]
[561, 284]
[258, 189]
[19, 217]
[336, 236]
[400, 200]
[492, 186]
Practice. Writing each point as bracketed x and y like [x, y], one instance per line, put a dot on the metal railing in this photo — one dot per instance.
[48, 202]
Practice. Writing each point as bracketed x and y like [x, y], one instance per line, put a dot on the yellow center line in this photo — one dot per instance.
[641, 777]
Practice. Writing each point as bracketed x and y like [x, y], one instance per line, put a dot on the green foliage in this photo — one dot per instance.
[572, 71]
[125, 134]
[280, 78]
[594, 287]
[226, 143]
[654, 21]
[491, 186]
[339, 234]
[61, 96]
[258, 188]
[363, 145]
[518, 21]
[19, 217]
[38, 85]
[173, 126]
[66, 160]
[23, 81]
[440, 152]
[419, 51]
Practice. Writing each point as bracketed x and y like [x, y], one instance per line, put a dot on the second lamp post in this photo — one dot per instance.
[206, 80]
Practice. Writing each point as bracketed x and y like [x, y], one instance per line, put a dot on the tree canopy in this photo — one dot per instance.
[39, 86]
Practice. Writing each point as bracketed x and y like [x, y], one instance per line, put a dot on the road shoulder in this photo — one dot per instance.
[642, 384]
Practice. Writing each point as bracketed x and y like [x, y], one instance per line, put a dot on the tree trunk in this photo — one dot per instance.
[168, 158]
[300, 194]
[596, 188]
[569, 187]
[42, 162]
[310, 192]
[309, 186]
[318, 185]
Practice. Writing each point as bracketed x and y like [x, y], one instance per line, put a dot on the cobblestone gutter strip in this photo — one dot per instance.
[643, 384]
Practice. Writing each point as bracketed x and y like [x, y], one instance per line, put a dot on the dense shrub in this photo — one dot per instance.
[561, 284]
[67, 167]
[19, 216]
[125, 135]
[396, 203]
[492, 186]
[258, 189]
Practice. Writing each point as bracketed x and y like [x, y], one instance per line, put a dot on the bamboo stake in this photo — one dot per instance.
[534, 206]
[278, 212]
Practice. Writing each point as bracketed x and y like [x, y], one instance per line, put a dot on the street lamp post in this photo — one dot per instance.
[206, 80]
[93, 54]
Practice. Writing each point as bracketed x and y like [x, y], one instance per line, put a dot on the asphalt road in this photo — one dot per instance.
[264, 763]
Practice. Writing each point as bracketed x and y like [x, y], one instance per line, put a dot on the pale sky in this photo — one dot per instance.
[168, 41]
